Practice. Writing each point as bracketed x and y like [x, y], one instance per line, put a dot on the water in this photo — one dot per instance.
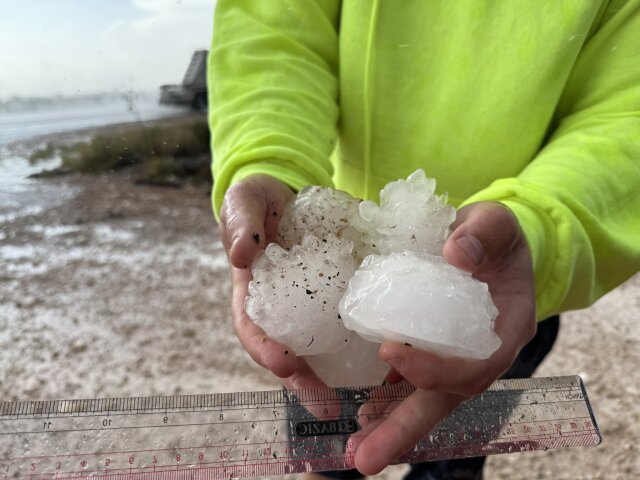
[24, 119]
[21, 196]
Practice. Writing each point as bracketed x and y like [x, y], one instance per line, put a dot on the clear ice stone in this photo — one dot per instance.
[294, 295]
[356, 365]
[422, 300]
[410, 217]
[405, 291]
[318, 211]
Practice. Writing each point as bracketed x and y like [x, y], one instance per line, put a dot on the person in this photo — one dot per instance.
[527, 113]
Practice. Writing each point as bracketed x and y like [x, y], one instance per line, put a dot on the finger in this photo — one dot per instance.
[410, 421]
[328, 406]
[484, 234]
[242, 223]
[278, 358]
[377, 406]
[303, 378]
[455, 375]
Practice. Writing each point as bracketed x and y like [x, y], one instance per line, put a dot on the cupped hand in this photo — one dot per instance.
[486, 241]
[249, 220]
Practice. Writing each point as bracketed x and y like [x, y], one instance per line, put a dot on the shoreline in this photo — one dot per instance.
[163, 152]
[80, 134]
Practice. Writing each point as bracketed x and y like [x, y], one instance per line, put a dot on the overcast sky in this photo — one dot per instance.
[51, 47]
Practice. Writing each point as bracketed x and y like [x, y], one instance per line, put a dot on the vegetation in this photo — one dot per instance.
[162, 152]
[44, 153]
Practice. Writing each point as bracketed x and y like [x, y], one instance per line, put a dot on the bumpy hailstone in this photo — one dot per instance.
[410, 217]
[356, 365]
[318, 211]
[421, 300]
[294, 295]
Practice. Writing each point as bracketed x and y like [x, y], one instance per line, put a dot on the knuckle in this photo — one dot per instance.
[230, 221]
[235, 193]
[240, 190]
[508, 224]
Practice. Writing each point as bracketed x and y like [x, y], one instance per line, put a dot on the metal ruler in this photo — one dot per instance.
[252, 434]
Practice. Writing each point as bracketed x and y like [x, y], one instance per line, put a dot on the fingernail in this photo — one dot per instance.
[396, 362]
[472, 247]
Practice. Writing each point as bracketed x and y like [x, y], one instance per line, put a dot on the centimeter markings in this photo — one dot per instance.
[245, 434]
[183, 402]
[245, 399]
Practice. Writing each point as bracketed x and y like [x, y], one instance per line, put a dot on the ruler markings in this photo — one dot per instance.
[536, 437]
[503, 419]
[164, 468]
[196, 447]
[173, 465]
[232, 422]
[137, 410]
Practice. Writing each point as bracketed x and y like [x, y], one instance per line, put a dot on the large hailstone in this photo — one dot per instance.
[318, 211]
[410, 217]
[356, 365]
[422, 300]
[294, 295]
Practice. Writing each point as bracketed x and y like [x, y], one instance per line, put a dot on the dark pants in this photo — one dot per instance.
[471, 468]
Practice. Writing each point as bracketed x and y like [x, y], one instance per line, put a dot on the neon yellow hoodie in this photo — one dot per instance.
[533, 103]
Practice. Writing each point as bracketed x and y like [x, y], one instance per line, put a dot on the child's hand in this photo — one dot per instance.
[248, 222]
[487, 242]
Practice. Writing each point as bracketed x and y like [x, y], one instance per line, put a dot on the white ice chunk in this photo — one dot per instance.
[421, 300]
[294, 295]
[318, 211]
[410, 217]
[356, 365]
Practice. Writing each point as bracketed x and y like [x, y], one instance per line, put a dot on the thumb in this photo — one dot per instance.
[242, 223]
[484, 234]
[250, 215]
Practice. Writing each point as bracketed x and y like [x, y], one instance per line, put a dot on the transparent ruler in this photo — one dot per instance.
[253, 434]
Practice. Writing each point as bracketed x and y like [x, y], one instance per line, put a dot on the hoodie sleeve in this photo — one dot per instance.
[273, 91]
[578, 201]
